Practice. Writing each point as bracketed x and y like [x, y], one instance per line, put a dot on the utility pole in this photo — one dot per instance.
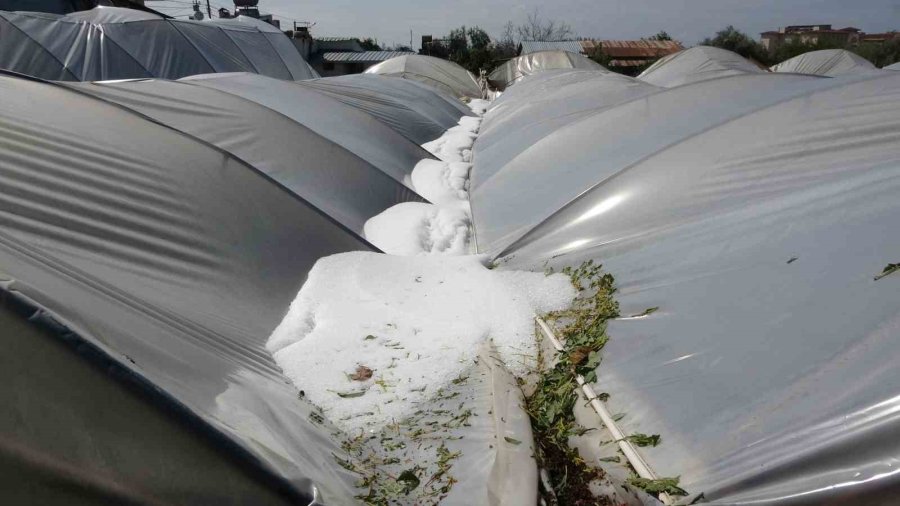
[208, 9]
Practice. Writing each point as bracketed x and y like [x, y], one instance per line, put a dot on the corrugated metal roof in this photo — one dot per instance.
[336, 39]
[627, 63]
[365, 56]
[626, 49]
[533, 46]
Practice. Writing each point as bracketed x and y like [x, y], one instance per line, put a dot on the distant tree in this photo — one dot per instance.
[796, 47]
[471, 48]
[507, 45]
[598, 55]
[881, 55]
[398, 47]
[535, 28]
[369, 44]
[739, 42]
[661, 36]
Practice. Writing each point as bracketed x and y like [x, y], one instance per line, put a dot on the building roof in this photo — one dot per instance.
[872, 37]
[619, 49]
[625, 49]
[365, 56]
[534, 46]
[335, 39]
[333, 44]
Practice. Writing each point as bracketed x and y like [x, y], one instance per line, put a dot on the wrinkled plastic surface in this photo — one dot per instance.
[112, 43]
[895, 66]
[533, 63]
[441, 74]
[317, 162]
[417, 111]
[542, 103]
[827, 62]
[346, 126]
[697, 64]
[755, 224]
[169, 252]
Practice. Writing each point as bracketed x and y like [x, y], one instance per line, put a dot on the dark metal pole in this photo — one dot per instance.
[208, 9]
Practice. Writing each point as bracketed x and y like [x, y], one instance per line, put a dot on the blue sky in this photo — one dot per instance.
[390, 21]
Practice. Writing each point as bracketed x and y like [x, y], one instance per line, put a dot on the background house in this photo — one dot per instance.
[811, 35]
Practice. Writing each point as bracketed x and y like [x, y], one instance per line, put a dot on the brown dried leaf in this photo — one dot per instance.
[362, 373]
[579, 355]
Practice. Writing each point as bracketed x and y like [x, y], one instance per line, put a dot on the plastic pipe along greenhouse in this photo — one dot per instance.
[225, 280]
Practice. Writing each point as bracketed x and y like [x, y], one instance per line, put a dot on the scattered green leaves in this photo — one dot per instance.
[351, 395]
[644, 440]
[647, 312]
[659, 486]
[890, 269]
[582, 329]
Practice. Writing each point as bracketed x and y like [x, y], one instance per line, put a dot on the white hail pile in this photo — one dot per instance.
[443, 226]
[371, 336]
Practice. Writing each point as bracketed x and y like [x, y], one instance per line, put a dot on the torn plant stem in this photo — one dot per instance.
[583, 337]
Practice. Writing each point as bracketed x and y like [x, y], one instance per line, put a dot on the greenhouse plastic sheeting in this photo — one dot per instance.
[895, 66]
[349, 188]
[436, 72]
[419, 112]
[593, 148]
[533, 63]
[759, 229]
[112, 43]
[697, 64]
[543, 103]
[828, 62]
[346, 126]
[171, 256]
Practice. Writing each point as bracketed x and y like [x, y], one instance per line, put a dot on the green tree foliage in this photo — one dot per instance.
[662, 35]
[369, 44]
[881, 55]
[739, 42]
[794, 48]
[471, 48]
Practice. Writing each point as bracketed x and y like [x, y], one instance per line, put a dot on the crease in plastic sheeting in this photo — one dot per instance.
[343, 125]
[521, 67]
[696, 64]
[445, 74]
[121, 371]
[367, 189]
[827, 62]
[227, 154]
[168, 51]
[30, 59]
[516, 239]
[415, 110]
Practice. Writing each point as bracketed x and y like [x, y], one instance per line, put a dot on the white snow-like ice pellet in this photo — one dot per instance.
[479, 106]
[414, 228]
[416, 322]
[442, 182]
[456, 143]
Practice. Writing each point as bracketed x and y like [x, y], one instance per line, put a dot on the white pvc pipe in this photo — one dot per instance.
[628, 449]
